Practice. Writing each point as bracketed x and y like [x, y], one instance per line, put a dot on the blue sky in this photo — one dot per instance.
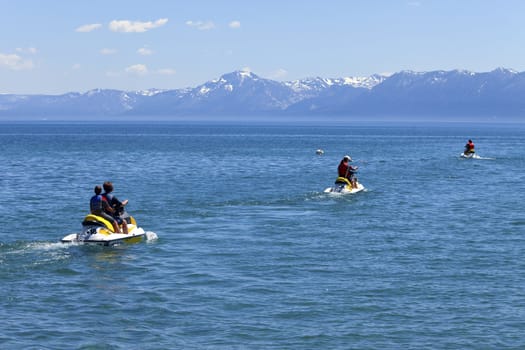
[58, 46]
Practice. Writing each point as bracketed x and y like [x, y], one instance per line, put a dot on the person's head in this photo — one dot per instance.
[98, 189]
[108, 187]
[347, 158]
[469, 141]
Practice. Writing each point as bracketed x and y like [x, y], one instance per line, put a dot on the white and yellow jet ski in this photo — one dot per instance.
[469, 155]
[98, 231]
[343, 186]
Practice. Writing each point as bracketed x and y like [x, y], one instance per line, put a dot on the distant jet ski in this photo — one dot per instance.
[469, 151]
[343, 186]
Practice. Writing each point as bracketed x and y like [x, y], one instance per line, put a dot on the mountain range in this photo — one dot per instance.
[457, 94]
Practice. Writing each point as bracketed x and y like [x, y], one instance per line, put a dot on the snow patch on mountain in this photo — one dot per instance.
[150, 92]
[318, 84]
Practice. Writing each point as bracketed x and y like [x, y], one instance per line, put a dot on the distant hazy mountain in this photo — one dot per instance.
[498, 94]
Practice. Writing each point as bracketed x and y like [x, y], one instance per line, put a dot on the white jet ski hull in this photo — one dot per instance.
[343, 188]
[103, 239]
[470, 156]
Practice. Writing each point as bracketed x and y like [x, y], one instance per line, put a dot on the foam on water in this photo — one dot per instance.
[151, 236]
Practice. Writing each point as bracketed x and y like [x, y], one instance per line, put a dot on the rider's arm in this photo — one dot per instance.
[107, 207]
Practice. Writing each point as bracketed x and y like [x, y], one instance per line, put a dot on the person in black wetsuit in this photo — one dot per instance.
[115, 204]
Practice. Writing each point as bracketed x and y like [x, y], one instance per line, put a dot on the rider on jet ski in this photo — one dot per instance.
[347, 171]
[116, 205]
[99, 206]
[469, 147]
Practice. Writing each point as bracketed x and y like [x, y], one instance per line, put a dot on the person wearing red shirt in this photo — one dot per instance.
[347, 171]
[469, 147]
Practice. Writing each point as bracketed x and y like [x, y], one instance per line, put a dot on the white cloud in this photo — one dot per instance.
[278, 74]
[235, 24]
[166, 71]
[246, 69]
[15, 62]
[86, 28]
[29, 50]
[138, 69]
[144, 51]
[76, 66]
[200, 25]
[135, 27]
[107, 51]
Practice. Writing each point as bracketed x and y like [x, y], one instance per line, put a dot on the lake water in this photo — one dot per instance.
[251, 254]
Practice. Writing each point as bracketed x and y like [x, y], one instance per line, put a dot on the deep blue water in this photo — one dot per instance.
[251, 254]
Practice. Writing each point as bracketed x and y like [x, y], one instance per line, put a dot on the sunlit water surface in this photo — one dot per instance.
[251, 254]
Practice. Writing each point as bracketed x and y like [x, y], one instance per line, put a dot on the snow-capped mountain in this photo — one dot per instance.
[500, 92]
[318, 84]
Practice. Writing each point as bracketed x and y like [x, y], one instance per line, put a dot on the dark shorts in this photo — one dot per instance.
[105, 216]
